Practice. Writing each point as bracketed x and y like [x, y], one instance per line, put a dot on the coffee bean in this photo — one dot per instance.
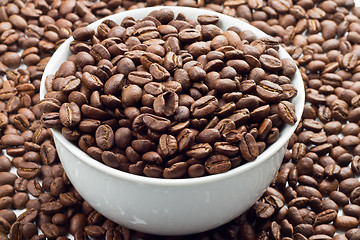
[67, 68]
[28, 170]
[210, 135]
[270, 63]
[34, 188]
[326, 216]
[91, 81]
[7, 178]
[339, 197]
[248, 147]
[305, 229]
[4, 225]
[345, 223]
[186, 139]
[12, 140]
[11, 59]
[20, 199]
[348, 185]
[50, 230]
[99, 52]
[204, 106]
[15, 231]
[123, 137]
[269, 91]
[29, 230]
[27, 216]
[217, 164]
[307, 191]
[94, 231]
[131, 95]
[264, 210]
[104, 137]
[6, 190]
[286, 112]
[51, 207]
[166, 104]
[69, 114]
[20, 184]
[77, 223]
[177, 170]
[167, 145]
[140, 78]
[57, 186]
[83, 34]
[199, 151]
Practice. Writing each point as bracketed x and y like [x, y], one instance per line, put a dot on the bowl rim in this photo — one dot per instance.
[285, 132]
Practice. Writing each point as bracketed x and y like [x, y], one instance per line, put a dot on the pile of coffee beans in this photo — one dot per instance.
[168, 97]
[314, 195]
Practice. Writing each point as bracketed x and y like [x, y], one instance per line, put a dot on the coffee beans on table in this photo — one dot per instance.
[332, 99]
[155, 96]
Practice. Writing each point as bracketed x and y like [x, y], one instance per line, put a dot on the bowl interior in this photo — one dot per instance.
[225, 22]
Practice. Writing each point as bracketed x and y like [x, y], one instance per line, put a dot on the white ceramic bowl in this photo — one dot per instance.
[171, 206]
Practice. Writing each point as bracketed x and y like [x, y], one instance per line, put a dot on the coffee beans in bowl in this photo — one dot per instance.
[170, 97]
[163, 93]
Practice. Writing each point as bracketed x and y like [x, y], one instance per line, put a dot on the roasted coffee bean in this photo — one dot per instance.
[348, 185]
[94, 231]
[217, 164]
[92, 82]
[28, 170]
[51, 207]
[15, 231]
[27, 216]
[104, 137]
[83, 34]
[186, 139]
[131, 95]
[7, 178]
[345, 223]
[167, 145]
[326, 216]
[12, 140]
[4, 226]
[5, 164]
[20, 184]
[166, 104]
[199, 151]
[140, 78]
[20, 199]
[69, 114]
[270, 62]
[286, 112]
[248, 147]
[34, 188]
[6, 190]
[29, 230]
[50, 230]
[269, 91]
[264, 210]
[177, 170]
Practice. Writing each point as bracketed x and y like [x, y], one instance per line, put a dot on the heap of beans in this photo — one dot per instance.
[315, 193]
[168, 97]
